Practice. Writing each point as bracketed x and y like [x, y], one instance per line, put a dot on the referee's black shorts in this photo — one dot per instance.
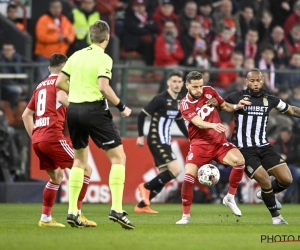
[91, 119]
[162, 154]
[264, 156]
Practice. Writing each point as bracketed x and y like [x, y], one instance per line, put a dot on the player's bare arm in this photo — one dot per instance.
[62, 98]
[110, 95]
[293, 111]
[197, 121]
[27, 117]
[62, 82]
[228, 107]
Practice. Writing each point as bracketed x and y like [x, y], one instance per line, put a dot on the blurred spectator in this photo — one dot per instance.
[293, 39]
[10, 148]
[258, 6]
[293, 18]
[281, 9]
[163, 13]
[120, 17]
[280, 47]
[82, 18]
[222, 48]
[194, 47]
[291, 79]
[188, 14]
[249, 47]
[226, 78]
[54, 34]
[139, 31]
[12, 89]
[295, 98]
[287, 145]
[265, 27]
[205, 11]
[12, 12]
[266, 63]
[223, 17]
[244, 20]
[248, 64]
[168, 51]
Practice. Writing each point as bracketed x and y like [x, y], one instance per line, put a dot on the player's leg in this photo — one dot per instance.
[267, 194]
[49, 196]
[169, 169]
[44, 151]
[150, 189]
[78, 120]
[116, 184]
[283, 177]
[235, 159]
[86, 182]
[187, 192]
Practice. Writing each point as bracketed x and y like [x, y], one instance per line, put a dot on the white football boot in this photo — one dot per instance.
[184, 220]
[232, 205]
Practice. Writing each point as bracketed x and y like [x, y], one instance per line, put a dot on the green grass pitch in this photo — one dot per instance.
[212, 227]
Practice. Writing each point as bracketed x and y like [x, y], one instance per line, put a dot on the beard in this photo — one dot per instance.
[256, 93]
[193, 96]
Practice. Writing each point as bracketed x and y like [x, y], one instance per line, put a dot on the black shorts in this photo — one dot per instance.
[264, 156]
[162, 154]
[92, 119]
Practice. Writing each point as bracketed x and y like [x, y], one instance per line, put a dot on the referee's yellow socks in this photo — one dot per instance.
[116, 184]
[75, 185]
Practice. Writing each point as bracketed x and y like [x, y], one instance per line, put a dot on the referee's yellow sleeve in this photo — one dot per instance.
[67, 68]
[105, 69]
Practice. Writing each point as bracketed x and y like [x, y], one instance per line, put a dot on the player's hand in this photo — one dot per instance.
[140, 141]
[219, 127]
[126, 112]
[212, 102]
[242, 103]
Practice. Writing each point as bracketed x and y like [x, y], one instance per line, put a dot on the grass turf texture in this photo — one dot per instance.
[212, 227]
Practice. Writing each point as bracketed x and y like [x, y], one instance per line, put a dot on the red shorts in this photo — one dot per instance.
[54, 154]
[205, 153]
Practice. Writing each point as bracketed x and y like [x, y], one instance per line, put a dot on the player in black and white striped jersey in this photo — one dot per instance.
[249, 135]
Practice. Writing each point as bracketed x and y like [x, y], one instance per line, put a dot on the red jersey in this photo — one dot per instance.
[190, 108]
[50, 115]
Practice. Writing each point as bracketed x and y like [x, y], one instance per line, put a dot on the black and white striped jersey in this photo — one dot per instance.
[251, 121]
[162, 109]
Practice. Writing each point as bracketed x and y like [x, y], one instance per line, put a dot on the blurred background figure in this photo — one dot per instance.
[82, 18]
[12, 15]
[12, 89]
[287, 145]
[54, 34]
[168, 51]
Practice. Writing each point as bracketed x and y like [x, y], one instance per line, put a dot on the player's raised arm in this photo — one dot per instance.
[228, 107]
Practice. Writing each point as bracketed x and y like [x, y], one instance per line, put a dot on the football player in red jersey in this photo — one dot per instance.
[208, 141]
[48, 105]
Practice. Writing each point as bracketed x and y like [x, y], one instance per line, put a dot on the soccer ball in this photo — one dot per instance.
[208, 175]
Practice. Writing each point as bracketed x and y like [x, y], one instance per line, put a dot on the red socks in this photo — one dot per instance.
[187, 193]
[86, 182]
[49, 196]
[235, 178]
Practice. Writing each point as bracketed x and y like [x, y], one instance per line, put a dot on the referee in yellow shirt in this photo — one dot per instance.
[86, 77]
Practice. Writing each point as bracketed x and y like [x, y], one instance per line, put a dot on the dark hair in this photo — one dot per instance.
[8, 43]
[253, 70]
[57, 59]
[11, 6]
[268, 47]
[193, 75]
[53, 1]
[99, 31]
[175, 72]
[286, 129]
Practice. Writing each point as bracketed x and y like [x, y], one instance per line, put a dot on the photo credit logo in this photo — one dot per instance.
[279, 238]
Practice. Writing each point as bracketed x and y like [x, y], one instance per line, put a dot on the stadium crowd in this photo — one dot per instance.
[204, 34]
